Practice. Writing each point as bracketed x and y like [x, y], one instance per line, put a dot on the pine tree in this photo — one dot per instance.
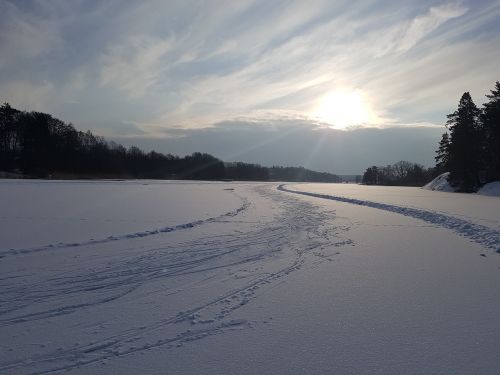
[490, 118]
[443, 154]
[371, 176]
[9, 137]
[465, 149]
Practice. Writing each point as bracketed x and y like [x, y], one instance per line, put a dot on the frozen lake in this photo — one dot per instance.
[244, 278]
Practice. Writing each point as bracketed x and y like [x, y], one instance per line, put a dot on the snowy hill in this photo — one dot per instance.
[440, 183]
[491, 189]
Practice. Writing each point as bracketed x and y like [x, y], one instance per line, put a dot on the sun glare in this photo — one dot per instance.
[342, 109]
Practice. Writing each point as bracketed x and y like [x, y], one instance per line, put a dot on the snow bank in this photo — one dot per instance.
[491, 189]
[440, 183]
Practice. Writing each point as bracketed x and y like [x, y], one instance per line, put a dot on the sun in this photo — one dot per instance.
[342, 109]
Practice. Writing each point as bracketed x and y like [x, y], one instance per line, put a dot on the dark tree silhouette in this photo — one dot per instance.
[300, 174]
[443, 154]
[371, 176]
[490, 118]
[9, 137]
[40, 145]
[249, 172]
[465, 149]
[403, 173]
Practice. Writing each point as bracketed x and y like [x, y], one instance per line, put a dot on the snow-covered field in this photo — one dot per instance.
[155, 277]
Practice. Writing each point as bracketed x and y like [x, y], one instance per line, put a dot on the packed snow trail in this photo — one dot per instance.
[480, 234]
[255, 253]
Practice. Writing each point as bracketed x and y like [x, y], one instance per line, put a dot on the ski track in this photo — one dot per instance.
[299, 233]
[146, 233]
[480, 234]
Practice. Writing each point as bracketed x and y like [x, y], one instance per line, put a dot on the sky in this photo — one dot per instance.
[334, 86]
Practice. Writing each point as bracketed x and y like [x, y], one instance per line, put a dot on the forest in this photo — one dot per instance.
[469, 150]
[402, 173]
[38, 145]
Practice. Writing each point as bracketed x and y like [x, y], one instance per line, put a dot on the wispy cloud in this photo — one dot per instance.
[343, 52]
[24, 36]
[135, 65]
[423, 25]
[164, 65]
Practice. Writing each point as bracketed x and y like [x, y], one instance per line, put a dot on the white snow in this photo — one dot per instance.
[297, 279]
[76, 211]
[491, 189]
[440, 183]
[483, 235]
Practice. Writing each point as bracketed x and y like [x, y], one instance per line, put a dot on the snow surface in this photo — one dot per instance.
[440, 183]
[483, 235]
[491, 189]
[473, 208]
[290, 279]
[75, 211]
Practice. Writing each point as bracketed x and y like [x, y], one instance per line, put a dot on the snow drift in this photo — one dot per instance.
[491, 189]
[440, 183]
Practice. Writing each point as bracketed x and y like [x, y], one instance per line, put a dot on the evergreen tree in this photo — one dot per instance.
[371, 176]
[490, 118]
[443, 155]
[464, 161]
[9, 137]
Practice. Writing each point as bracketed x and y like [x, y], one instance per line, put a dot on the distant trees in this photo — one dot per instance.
[403, 173]
[371, 176]
[248, 172]
[300, 174]
[471, 152]
[40, 145]
[199, 166]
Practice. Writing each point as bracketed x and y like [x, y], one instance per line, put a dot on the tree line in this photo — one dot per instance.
[402, 173]
[470, 149]
[37, 144]
[300, 174]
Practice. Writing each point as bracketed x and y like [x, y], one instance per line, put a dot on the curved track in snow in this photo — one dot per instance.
[480, 234]
[231, 260]
[62, 245]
